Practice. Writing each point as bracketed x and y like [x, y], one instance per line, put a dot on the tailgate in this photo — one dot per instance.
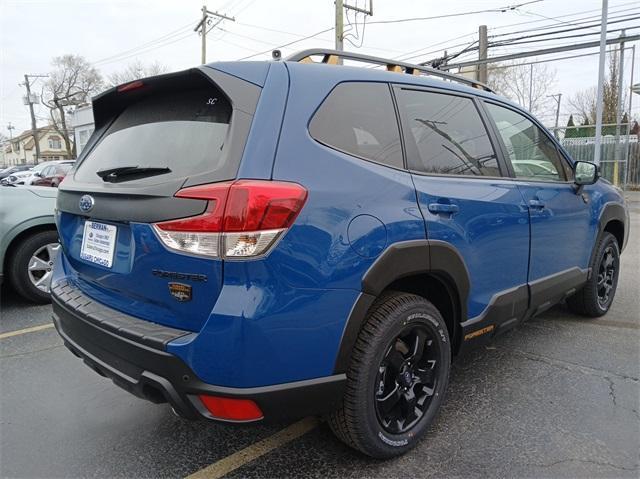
[153, 137]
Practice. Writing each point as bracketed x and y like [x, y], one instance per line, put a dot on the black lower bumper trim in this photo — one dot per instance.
[159, 376]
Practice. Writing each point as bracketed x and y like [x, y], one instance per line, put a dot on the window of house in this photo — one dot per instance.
[83, 138]
[55, 143]
[532, 153]
[359, 118]
[448, 133]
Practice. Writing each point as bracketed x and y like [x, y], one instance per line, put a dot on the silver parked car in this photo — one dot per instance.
[28, 239]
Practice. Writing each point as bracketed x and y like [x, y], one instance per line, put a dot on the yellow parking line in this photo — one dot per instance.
[254, 451]
[25, 331]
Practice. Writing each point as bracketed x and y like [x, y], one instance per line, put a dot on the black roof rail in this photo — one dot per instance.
[332, 57]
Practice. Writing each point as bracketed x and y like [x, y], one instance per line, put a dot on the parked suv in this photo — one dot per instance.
[258, 240]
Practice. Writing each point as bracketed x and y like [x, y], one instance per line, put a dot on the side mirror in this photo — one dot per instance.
[37, 173]
[585, 173]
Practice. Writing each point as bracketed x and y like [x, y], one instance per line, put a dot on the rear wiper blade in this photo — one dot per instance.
[127, 173]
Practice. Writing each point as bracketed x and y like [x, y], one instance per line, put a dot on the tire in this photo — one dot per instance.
[45, 245]
[589, 301]
[362, 421]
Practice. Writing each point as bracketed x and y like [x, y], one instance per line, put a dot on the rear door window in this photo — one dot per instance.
[184, 131]
[448, 133]
[359, 118]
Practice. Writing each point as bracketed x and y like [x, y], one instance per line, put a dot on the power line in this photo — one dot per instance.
[626, 18]
[577, 35]
[526, 38]
[459, 14]
[166, 36]
[567, 15]
[404, 57]
[287, 44]
[148, 49]
[568, 57]
[543, 51]
[595, 20]
[299, 35]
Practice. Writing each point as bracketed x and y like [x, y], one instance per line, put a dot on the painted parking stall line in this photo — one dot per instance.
[20, 332]
[254, 451]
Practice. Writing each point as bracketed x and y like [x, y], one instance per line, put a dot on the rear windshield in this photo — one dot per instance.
[183, 131]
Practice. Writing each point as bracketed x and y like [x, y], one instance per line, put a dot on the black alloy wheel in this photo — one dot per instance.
[397, 376]
[596, 297]
[607, 277]
[406, 379]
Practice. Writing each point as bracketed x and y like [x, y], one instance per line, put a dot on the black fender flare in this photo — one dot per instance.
[610, 211]
[399, 260]
[614, 211]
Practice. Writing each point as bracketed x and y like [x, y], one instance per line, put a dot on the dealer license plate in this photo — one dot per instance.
[98, 243]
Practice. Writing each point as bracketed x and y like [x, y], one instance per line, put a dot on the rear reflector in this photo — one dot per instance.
[243, 219]
[231, 409]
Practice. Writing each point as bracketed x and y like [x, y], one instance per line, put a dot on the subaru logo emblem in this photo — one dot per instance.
[86, 203]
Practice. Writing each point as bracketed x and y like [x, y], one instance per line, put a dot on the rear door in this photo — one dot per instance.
[172, 131]
[465, 201]
[561, 224]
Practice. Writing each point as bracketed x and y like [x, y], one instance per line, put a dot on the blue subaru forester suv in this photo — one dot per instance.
[264, 240]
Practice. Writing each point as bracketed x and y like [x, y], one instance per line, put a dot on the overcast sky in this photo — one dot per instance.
[112, 33]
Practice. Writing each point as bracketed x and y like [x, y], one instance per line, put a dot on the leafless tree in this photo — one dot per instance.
[584, 102]
[134, 71]
[513, 80]
[72, 82]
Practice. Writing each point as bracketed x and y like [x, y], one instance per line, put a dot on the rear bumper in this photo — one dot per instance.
[131, 352]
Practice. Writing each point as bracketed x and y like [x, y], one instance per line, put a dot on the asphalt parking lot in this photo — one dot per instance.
[558, 397]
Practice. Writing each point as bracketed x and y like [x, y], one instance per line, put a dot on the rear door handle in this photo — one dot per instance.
[536, 204]
[443, 208]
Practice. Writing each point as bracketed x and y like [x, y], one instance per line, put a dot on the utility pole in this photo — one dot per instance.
[603, 47]
[10, 127]
[202, 26]
[340, 8]
[482, 53]
[631, 93]
[339, 25]
[616, 159]
[31, 100]
[558, 98]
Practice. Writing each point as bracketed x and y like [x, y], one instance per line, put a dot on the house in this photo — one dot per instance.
[21, 149]
[82, 122]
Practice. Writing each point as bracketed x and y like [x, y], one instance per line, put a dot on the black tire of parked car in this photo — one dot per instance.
[18, 267]
[596, 296]
[359, 421]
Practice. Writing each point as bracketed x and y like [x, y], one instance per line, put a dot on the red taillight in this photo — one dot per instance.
[232, 409]
[244, 218]
[212, 219]
[134, 85]
[263, 205]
